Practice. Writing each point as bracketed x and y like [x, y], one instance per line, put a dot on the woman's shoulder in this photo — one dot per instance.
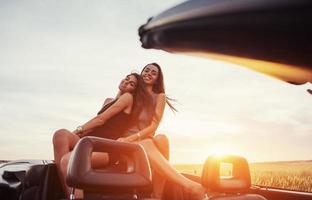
[126, 96]
[161, 96]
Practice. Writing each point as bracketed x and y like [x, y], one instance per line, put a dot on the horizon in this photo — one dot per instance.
[181, 164]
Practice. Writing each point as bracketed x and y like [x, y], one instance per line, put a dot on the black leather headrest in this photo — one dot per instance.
[80, 174]
[237, 179]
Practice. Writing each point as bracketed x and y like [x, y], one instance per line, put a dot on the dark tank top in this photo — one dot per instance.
[113, 128]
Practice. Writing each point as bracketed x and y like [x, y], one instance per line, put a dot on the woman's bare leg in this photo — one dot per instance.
[63, 142]
[98, 160]
[63, 168]
[158, 182]
[163, 167]
[162, 143]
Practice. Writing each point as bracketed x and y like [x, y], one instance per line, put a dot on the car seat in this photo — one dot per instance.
[130, 182]
[228, 178]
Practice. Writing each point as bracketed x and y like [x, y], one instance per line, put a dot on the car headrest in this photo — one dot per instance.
[136, 177]
[226, 174]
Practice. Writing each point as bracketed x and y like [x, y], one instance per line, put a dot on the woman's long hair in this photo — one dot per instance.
[137, 93]
[141, 100]
[159, 86]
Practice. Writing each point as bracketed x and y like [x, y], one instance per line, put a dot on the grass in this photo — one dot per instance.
[296, 175]
[287, 175]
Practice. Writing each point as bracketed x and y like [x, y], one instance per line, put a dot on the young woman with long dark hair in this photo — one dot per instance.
[106, 124]
[157, 147]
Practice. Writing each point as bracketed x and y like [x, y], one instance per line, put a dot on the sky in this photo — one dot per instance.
[59, 60]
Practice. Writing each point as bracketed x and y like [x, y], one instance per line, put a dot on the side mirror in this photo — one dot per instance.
[226, 174]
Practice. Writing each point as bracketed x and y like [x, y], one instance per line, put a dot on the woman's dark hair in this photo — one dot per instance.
[159, 86]
[138, 92]
[141, 100]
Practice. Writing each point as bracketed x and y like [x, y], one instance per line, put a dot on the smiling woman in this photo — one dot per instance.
[105, 125]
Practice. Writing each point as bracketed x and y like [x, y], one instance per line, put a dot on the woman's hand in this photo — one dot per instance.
[82, 133]
[78, 133]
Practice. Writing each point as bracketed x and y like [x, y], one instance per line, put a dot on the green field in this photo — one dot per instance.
[296, 175]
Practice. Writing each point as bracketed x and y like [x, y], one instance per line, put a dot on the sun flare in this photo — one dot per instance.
[224, 149]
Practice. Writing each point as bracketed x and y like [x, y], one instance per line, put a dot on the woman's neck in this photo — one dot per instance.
[149, 89]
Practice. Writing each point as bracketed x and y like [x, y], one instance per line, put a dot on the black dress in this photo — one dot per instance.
[113, 128]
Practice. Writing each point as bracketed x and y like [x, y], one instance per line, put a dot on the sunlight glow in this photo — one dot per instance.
[199, 128]
[224, 149]
[226, 170]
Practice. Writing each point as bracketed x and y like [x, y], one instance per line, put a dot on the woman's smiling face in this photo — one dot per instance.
[150, 74]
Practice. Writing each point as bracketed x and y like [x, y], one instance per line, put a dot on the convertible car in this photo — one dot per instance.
[273, 37]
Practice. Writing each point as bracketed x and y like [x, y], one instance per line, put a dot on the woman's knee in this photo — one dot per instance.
[162, 139]
[162, 143]
[59, 136]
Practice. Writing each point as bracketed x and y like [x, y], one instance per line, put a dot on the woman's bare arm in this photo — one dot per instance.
[150, 130]
[123, 102]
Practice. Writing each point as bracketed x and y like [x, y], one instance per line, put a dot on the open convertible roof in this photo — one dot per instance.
[273, 37]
